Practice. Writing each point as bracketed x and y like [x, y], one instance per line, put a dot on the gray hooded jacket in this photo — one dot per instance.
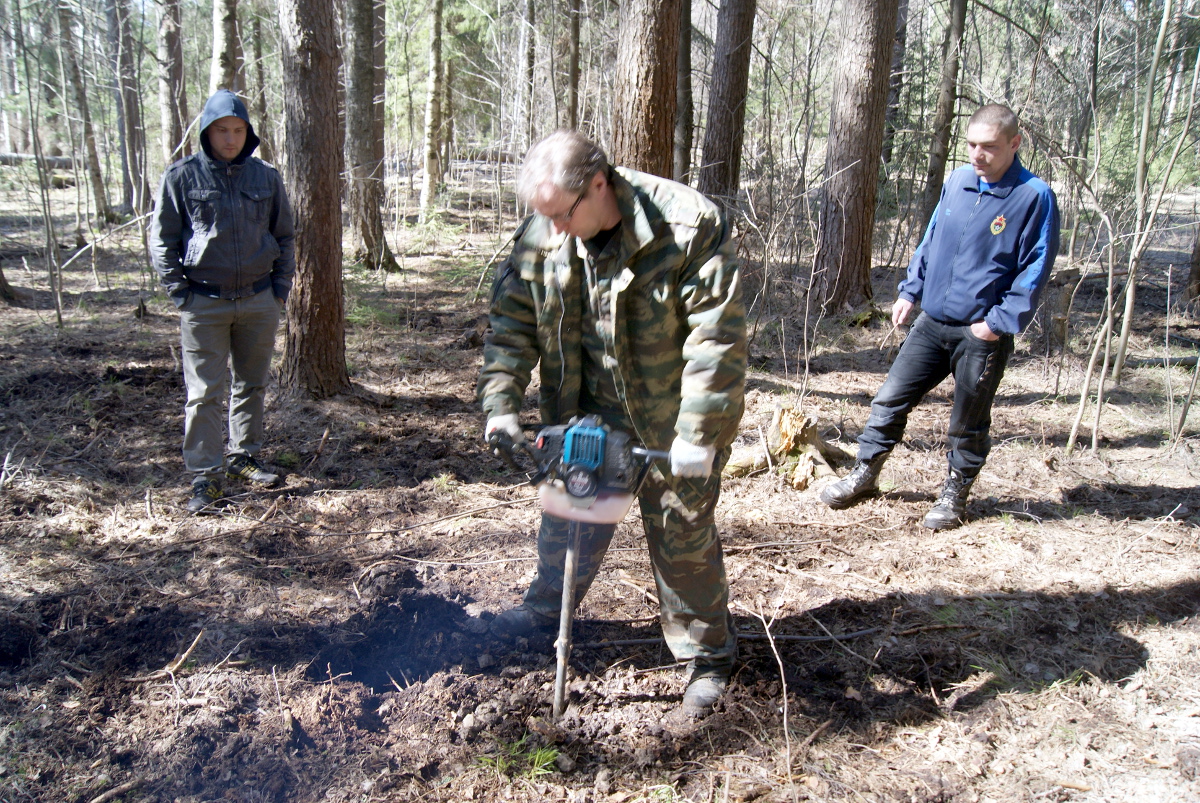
[222, 229]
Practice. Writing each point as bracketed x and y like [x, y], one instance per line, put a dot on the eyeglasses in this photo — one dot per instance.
[566, 217]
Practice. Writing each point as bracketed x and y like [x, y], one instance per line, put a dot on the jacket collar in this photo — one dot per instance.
[1006, 184]
[637, 229]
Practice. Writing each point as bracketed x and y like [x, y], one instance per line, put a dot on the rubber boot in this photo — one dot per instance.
[950, 510]
[861, 482]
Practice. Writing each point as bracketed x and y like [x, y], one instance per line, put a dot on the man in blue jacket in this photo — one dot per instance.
[985, 257]
[221, 242]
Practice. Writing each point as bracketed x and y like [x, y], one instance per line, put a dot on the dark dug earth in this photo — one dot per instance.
[326, 640]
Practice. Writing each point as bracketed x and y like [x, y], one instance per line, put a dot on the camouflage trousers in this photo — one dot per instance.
[686, 556]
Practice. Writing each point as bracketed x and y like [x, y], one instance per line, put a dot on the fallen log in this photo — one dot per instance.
[52, 162]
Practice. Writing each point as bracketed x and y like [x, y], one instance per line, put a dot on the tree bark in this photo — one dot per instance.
[12, 127]
[226, 71]
[129, 110]
[895, 80]
[573, 65]
[842, 269]
[314, 352]
[685, 110]
[1192, 292]
[364, 187]
[530, 63]
[172, 92]
[66, 38]
[644, 86]
[943, 116]
[262, 120]
[722, 161]
[433, 115]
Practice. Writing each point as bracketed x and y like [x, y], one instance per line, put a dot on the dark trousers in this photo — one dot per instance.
[931, 352]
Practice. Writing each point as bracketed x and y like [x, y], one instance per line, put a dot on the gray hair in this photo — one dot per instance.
[566, 159]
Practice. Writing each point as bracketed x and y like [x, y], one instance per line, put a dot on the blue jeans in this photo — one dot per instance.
[932, 352]
[223, 339]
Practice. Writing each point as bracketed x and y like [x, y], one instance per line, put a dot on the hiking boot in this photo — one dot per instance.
[702, 694]
[521, 622]
[950, 510]
[861, 482]
[206, 497]
[245, 467]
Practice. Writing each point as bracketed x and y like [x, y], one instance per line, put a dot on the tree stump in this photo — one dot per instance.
[797, 451]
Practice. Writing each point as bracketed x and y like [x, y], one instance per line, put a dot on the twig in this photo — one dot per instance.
[283, 713]
[729, 550]
[787, 735]
[320, 446]
[810, 738]
[117, 791]
[888, 336]
[633, 642]
[837, 641]
[645, 592]
[766, 449]
[171, 668]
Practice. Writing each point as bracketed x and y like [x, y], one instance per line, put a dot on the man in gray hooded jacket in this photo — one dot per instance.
[221, 242]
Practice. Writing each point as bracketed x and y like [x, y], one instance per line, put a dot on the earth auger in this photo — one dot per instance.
[587, 473]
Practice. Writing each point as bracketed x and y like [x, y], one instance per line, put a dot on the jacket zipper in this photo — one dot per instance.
[958, 245]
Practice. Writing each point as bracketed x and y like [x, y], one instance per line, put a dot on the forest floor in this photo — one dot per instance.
[326, 640]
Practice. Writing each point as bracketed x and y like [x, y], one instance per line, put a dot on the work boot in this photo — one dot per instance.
[861, 482]
[206, 496]
[520, 622]
[245, 467]
[702, 693]
[950, 510]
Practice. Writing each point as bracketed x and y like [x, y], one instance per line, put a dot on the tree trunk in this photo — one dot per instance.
[129, 110]
[66, 38]
[314, 352]
[7, 294]
[226, 71]
[530, 62]
[447, 133]
[433, 115]
[262, 121]
[172, 92]
[723, 133]
[573, 65]
[895, 80]
[943, 116]
[685, 110]
[644, 86]
[1193, 282]
[364, 169]
[15, 132]
[842, 268]
[1141, 190]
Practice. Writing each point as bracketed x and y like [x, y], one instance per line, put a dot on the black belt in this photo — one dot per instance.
[214, 291]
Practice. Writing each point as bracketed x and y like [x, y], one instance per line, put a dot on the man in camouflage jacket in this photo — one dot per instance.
[623, 289]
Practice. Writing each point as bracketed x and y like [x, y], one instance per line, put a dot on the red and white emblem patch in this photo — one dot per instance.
[998, 224]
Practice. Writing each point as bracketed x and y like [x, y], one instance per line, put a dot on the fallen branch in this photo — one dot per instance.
[171, 668]
[117, 791]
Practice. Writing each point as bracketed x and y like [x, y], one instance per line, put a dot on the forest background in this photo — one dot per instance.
[825, 130]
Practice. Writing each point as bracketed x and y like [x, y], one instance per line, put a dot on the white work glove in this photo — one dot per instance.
[690, 460]
[509, 422]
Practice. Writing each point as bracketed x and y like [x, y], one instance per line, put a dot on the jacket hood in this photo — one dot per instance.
[226, 104]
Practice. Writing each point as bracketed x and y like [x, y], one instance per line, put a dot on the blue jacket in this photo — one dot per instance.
[222, 229]
[986, 254]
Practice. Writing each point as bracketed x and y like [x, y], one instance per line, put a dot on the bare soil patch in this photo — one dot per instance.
[326, 640]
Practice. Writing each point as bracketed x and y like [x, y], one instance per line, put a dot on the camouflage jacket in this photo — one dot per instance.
[679, 323]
